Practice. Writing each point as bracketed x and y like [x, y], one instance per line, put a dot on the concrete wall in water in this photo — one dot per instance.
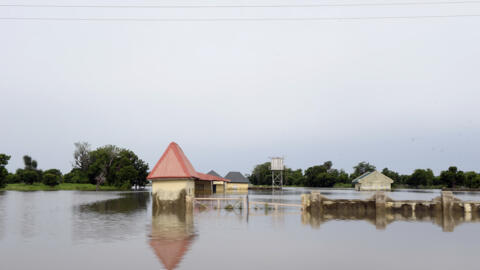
[170, 189]
[172, 194]
[219, 186]
[445, 211]
[203, 188]
[237, 186]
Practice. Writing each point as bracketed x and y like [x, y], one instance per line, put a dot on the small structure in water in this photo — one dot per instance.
[445, 210]
[237, 181]
[277, 167]
[372, 181]
[175, 181]
[218, 186]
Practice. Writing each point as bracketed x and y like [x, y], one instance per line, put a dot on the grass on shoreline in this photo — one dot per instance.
[62, 186]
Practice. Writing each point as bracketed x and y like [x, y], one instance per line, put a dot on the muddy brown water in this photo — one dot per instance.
[116, 230]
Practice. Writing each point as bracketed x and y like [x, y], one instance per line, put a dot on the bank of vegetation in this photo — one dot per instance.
[105, 168]
[325, 175]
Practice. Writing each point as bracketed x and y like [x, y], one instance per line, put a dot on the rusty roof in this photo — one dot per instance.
[175, 164]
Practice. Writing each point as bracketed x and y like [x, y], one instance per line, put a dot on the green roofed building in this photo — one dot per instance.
[372, 181]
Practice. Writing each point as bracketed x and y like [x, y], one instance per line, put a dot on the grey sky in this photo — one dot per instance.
[401, 94]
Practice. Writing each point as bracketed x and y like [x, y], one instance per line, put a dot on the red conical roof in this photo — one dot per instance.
[171, 252]
[174, 164]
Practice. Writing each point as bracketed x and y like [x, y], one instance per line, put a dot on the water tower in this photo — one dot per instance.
[277, 167]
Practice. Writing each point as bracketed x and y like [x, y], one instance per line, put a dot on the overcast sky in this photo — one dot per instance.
[398, 93]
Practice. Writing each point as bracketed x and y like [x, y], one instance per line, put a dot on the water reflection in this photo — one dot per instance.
[28, 210]
[108, 220]
[128, 203]
[447, 220]
[172, 234]
[3, 214]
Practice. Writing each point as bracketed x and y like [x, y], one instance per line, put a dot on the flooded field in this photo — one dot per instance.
[93, 230]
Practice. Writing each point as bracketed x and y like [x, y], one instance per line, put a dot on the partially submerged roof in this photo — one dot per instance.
[236, 177]
[374, 174]
[175, 164]
[214, 173]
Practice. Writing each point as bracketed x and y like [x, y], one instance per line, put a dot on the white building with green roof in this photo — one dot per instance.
[372, 181]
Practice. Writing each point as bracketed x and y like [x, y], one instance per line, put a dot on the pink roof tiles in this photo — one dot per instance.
[175, 164]
[171, 252]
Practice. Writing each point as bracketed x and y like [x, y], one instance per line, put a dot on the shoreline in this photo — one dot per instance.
[62, 186]
[393, 189]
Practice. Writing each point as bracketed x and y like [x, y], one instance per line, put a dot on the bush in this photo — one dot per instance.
[51, 179]
[13, 178]
[55, 172]
[76, 176]
[29, 176]
[3, 177]
[3, 172]
[125, 177]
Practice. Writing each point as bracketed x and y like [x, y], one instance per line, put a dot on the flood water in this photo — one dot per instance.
[116, 230]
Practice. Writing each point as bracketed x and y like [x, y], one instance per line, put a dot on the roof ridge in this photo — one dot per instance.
[175, 164]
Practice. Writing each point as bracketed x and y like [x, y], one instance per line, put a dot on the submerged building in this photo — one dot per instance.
[218, 186]
[237, 181]
[371, 181]
[174, 178]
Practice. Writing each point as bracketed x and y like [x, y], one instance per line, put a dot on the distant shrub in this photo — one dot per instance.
[76, 176]
[28, 176]
[13, 178]
[3, 177]
[55, 172]
[51, 179]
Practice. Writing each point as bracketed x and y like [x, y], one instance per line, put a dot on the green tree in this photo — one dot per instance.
[3, 171]
[261, 174]
[326, 179]
[294, 177]
[54, 172]
[361, 168]
[101, 162]
[106, 162]
[76, 176]
[471, 180]
[324, 175]
[421, 177]
[12, 178]
[31, 166]
[452, 177]
[475, 182]
[28, 176]
[126, 177]
[50, 179]
[312, 175]
[343, 177]
[392, 174]
[128, 158]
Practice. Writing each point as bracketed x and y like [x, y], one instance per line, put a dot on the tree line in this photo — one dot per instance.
[325, 175]
[107, 165]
